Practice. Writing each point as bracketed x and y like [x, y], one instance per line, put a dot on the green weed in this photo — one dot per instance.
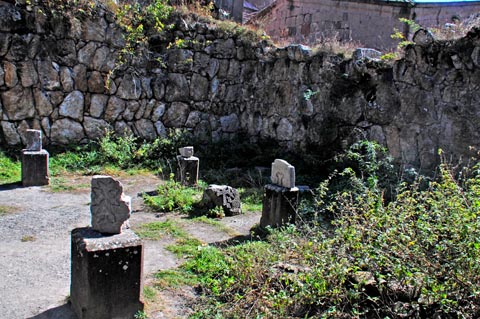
[185, 247]
[173, 196]
[149, 293]
[140, 315]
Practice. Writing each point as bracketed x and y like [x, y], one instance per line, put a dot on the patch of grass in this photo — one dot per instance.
[215, 223]
[156, 230]
[28, 238]
[149, 293]
[185, 247]
[62, 184]
[251, 199]
[174, 278]
[5, 210]
[10, 170]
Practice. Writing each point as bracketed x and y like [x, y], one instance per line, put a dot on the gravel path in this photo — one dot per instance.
[35, 250]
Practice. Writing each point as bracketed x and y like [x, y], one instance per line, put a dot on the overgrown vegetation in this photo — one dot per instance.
[415, 255]
[118, 152]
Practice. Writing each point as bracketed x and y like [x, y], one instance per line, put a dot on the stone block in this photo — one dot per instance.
[106, 278]
[110, 208]
[224, 196]
[283, 174]
[187, 170]
[186, 151]
[35, 170]
[279, 206]
[33, 139]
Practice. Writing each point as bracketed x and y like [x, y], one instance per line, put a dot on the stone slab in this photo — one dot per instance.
[107, 271]
[33, 140]
[35, 168]
[283, 174]
[110, 208]
[186, 151]
[224, 196]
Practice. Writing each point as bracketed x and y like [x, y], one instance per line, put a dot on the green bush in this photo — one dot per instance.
[413, 256]
[173, 196]
[121, 152]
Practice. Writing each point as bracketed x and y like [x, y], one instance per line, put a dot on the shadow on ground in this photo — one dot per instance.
[7, 187]
[61, 312]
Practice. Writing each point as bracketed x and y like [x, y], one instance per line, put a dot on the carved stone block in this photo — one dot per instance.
[110, 208]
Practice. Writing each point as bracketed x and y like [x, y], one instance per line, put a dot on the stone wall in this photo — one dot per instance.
[218, 84]
[369, 22]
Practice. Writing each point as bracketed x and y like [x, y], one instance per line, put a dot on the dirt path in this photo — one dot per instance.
[35, 250]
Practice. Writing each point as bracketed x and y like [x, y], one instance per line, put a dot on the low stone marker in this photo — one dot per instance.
[35, 171]
[107, 258]
[283, 174]
[281, 197]
[188, 166]
[222, 195]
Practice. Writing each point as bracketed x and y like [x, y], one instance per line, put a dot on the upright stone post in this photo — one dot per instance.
[188, 165]
[281, 197]
[107, 258]
[34, 160]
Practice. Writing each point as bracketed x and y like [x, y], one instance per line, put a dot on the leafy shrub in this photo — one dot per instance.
[123, 152]
[173, 196]
[414, 256]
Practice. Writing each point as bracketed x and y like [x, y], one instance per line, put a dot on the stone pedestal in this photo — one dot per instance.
[187, 170]
[35, 168]
[279, 206]
[106, 274]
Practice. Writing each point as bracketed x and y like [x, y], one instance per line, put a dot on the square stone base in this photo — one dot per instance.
[187, 170]
[106, 279]
[35, 168]
[279, 206]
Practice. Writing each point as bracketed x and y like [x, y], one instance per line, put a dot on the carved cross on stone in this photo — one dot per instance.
[110, 208]
[222, 195]
[283, 174]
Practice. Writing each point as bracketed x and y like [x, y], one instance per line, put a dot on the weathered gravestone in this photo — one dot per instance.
[281, 197]
[107, 258]
[110, 208]
[224, 196]
[188, 165]
[35, 170]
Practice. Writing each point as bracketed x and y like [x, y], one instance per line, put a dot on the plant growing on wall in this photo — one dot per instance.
[135, 20]
[397, 34]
